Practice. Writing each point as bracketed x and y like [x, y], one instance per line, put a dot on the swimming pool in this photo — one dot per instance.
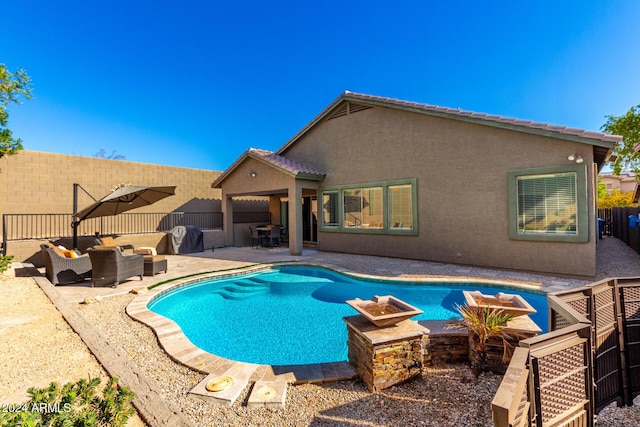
[293, 315]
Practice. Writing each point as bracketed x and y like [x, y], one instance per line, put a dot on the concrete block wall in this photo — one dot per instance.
[42, 183]
[38, 182]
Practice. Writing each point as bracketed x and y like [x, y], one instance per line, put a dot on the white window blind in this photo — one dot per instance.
[547, 204]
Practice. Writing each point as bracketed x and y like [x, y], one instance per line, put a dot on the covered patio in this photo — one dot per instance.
[291, 187]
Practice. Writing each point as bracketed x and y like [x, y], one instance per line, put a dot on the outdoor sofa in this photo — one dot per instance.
[61, 269]
[112, 266]
[109, 242]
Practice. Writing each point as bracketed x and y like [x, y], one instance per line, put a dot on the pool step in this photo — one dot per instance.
[242, 289]
[288, 278]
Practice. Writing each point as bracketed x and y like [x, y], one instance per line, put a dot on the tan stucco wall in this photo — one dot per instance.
[461, 170]
[267, 180]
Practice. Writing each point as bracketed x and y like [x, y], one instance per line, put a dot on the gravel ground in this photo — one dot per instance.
[442, 397]
[38, 346]
[41, 348]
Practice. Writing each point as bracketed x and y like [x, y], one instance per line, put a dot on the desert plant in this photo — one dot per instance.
[5, 262]
[483, 323]
[73, 405]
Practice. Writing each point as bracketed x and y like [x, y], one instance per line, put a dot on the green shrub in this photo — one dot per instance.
[5, 262]
[72, 405]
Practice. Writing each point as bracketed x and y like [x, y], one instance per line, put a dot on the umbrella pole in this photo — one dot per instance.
[75, 222]
[74, 225]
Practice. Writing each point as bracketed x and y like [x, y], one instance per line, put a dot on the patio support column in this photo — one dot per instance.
[295, 218]
[227, 219]
[274, 209]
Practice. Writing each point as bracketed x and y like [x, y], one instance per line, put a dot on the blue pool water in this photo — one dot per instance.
[293, 315]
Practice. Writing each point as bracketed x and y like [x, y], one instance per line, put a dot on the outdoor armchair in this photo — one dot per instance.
[63, 270]
[109, 265]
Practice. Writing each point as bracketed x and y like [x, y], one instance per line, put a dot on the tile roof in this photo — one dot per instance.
[590, 137]
[287, 165]
[487, 117]
[284, 164]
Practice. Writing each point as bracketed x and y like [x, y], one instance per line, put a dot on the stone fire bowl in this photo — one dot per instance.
[384, 311]
[508, 303]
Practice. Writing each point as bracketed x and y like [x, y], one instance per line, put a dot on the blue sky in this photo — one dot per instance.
[196, 83]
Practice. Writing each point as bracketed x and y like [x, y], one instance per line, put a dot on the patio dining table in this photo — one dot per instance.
[263, 232]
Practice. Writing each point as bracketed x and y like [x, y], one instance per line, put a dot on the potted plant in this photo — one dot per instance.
[483, 323]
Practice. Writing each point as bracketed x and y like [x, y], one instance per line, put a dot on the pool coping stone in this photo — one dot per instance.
[182, 350]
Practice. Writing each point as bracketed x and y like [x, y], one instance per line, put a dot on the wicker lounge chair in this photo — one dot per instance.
[62, 270]
[112, 266]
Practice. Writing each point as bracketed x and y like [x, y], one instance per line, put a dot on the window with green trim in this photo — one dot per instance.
[362, 207]
[400, 206]
[330, 208]
[385, 207]
[549, 204]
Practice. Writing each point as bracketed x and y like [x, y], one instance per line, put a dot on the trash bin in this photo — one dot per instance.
[600, 228]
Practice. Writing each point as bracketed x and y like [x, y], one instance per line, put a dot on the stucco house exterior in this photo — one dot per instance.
[626, 182]
[380, 176]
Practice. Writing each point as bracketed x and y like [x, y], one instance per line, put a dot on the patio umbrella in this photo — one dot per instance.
[125, 199]
[121, 200]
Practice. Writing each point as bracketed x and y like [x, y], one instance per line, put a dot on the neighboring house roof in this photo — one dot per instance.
[625, 181]
[603, 143]
[624, 176]
[288, 166]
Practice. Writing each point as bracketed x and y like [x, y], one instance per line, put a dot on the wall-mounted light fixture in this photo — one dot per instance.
[575, 158]
[253, 174]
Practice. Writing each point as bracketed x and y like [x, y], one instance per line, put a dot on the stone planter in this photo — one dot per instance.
[384, 311]
[385, 356]
[508, 303]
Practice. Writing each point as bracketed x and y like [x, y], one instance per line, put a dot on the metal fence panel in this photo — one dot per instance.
[53, 226]
[251, 217]
[606, 215]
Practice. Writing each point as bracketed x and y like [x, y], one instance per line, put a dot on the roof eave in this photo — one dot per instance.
[348, 96]
[311, 176]
[297, 175]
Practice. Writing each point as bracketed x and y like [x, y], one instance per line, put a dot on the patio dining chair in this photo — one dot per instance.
[274, 236]
[255, 236]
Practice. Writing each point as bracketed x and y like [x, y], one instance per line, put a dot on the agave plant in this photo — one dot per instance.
[483, 323]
